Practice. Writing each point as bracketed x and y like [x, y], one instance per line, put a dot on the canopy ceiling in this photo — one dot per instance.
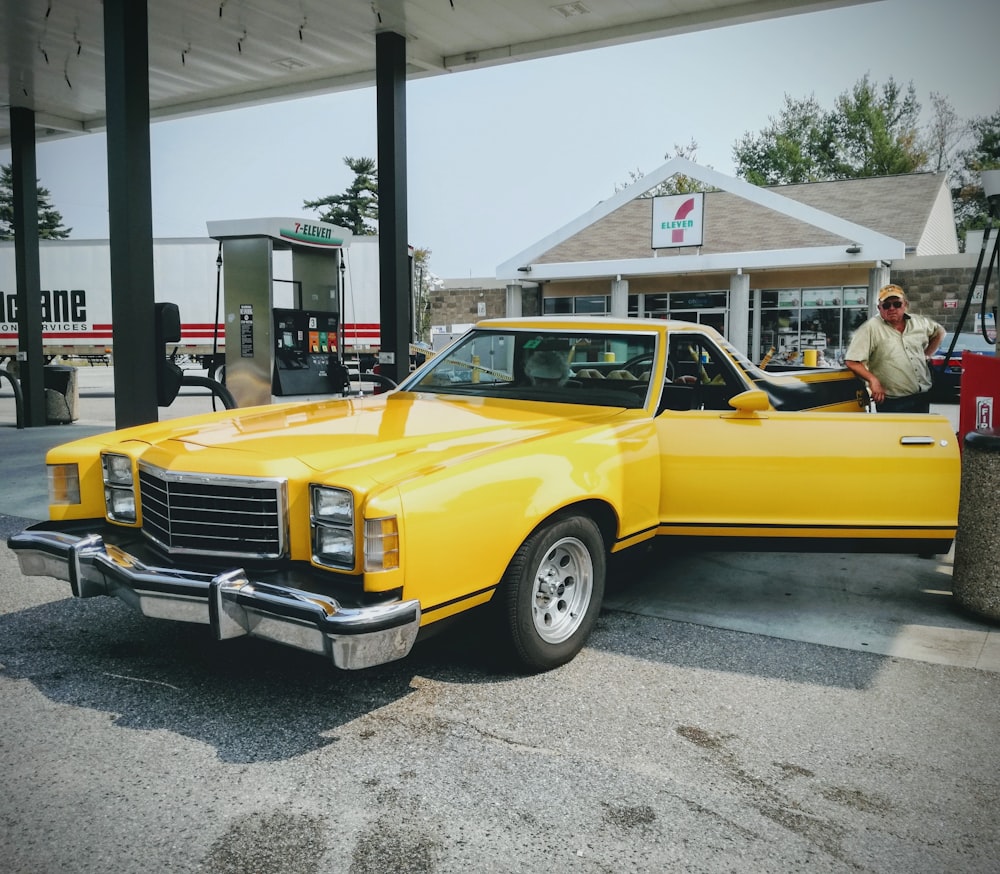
[219, 54]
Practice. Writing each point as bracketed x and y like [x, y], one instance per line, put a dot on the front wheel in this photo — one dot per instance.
[552, 592]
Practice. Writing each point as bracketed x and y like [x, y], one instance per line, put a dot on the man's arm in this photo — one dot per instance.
[934, 342]
[859, 369]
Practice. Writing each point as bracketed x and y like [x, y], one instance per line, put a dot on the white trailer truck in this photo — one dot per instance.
[76, 296]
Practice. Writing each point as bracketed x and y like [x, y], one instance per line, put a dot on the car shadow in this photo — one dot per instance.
[251, 700]
[255, 701]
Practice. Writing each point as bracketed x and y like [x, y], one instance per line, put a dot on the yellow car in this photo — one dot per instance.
[504, 470]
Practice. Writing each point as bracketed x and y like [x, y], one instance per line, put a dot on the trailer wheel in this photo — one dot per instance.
[552, 592]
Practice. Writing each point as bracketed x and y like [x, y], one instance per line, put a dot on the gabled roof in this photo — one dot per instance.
[915, 208]
[751, 227]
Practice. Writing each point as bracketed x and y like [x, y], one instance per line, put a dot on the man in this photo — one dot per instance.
[890, 353]
[547, 367]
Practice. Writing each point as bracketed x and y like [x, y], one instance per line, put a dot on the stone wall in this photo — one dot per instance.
[929, 287]
[460, 306]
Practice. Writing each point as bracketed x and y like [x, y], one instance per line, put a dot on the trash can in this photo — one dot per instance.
[976, 574]
[62, 394]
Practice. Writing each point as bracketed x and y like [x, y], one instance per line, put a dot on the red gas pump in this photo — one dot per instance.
[979, 397]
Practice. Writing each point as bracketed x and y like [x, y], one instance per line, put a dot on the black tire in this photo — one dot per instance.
[552, 591]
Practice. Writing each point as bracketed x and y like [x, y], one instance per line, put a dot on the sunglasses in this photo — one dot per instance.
[892, 305]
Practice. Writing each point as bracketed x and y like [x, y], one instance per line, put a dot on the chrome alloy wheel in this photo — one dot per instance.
[564, 585]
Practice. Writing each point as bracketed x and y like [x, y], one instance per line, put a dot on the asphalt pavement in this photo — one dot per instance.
[732, 711]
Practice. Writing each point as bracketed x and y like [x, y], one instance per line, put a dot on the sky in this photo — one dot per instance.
[499, 158]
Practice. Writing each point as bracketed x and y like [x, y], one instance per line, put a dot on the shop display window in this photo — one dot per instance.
[795, 319]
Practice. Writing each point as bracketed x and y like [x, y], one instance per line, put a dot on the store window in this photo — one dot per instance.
[676, 304]
[585, 305]
[657, 306]
[557, 306]
[592, 305]
[793, 320]
[701, 307]
[698, 300]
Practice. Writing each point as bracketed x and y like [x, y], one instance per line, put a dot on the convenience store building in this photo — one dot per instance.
[776, 270]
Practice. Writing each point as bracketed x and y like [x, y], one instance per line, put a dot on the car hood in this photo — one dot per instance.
[380, 437]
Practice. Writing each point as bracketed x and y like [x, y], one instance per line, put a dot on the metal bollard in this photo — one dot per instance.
[976, 574]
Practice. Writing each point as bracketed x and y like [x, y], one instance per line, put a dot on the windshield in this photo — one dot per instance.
[593, 368]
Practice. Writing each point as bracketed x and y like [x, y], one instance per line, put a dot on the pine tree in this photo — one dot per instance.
[357, 208]
[50, 225]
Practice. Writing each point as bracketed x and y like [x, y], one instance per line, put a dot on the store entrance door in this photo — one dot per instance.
[714, 318]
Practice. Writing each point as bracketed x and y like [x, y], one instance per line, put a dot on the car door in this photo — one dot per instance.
[846, 480]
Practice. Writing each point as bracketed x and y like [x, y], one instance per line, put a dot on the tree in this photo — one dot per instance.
[797, 146]
[983, 153]
[944, 134]
[871, 131]
[49, 219]
[357, 208]
[426, 283]
[678, 184]
[876, 131]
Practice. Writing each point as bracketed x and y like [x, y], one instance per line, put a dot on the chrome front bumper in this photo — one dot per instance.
[234, 605]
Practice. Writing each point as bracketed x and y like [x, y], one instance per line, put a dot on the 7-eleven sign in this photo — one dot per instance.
[678, 220]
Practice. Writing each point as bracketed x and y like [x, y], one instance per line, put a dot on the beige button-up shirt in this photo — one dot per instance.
[896, 358]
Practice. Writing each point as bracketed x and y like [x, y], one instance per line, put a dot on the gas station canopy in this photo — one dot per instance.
[77, 66]
[207, 55]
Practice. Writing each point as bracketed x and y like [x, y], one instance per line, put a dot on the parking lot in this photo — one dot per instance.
[731, 712]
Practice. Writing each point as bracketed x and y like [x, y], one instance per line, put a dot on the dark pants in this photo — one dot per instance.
[918, 403]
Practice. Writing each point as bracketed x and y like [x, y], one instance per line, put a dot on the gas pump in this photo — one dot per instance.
[979, 396]
[294, 349]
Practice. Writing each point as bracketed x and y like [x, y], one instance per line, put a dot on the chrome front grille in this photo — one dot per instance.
[213, 515]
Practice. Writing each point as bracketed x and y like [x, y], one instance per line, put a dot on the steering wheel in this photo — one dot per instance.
[633, 364]
[636, 368]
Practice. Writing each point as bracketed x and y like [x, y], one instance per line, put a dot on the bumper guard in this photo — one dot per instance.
[234, 605]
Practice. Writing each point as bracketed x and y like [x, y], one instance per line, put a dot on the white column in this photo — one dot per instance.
[877, 277]
[619, 298]
[514, 300]
[739, 311]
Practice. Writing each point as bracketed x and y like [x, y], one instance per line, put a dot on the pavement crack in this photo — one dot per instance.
[142, 680]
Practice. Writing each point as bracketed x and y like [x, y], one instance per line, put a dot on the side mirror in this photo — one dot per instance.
[753, 401]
